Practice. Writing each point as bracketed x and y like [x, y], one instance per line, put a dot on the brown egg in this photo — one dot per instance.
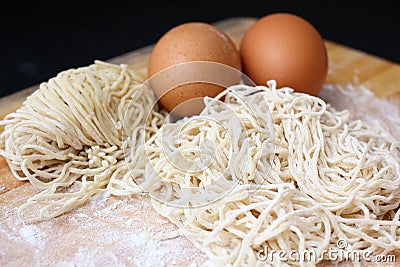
[191, 42]
[288, 49]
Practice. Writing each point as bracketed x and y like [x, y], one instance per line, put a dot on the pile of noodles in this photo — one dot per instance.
[327, 179]
[73, 135]
[264, 169]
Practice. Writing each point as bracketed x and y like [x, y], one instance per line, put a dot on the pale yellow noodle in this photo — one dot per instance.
[68, 137]
[329, 178]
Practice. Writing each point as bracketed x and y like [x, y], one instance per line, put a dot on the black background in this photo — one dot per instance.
[41, 38]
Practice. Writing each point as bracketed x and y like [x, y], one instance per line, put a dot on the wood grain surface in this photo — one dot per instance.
[110, 234]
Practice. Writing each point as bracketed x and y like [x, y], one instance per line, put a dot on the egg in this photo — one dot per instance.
[288, 49]
[179, 87]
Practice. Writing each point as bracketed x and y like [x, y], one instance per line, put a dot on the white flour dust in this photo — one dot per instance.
[362, 104]
[106, 232]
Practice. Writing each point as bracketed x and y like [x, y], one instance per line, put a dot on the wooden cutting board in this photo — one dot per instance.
[120, 231]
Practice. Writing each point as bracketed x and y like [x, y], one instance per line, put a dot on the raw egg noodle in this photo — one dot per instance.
[329, 179]
[68, 137]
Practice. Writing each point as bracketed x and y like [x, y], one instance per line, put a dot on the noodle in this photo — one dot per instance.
[68, 138]
[329, 179]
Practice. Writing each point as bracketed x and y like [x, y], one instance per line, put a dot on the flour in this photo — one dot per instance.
[131, 221]
[108, 231]
[363, 104]
[107, 210]
[33, 235]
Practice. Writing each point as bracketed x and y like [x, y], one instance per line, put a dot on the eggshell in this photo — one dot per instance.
[288, 49]
[190, 42]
